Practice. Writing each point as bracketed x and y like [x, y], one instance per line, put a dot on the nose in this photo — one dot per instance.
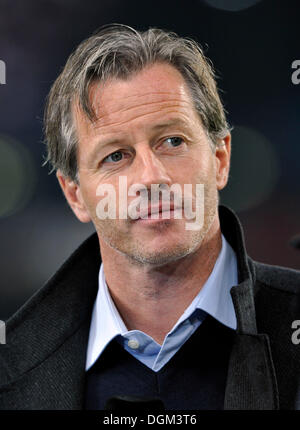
[148, 168]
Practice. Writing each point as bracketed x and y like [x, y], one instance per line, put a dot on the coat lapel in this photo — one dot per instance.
[251, 379]
[55, 384]
[46, 343]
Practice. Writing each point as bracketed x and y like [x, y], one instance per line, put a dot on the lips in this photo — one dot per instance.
[146, 213]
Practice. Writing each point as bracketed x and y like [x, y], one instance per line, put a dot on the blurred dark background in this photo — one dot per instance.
[252, 45]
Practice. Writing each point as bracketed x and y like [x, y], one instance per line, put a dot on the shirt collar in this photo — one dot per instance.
[106, 322]
[214, 298]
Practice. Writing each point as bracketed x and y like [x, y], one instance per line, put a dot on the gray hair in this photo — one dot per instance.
[118, 51]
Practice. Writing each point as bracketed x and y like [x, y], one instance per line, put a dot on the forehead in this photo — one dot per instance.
[156, 90]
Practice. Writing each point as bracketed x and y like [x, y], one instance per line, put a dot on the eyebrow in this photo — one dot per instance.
[156, 127]
[171, 122]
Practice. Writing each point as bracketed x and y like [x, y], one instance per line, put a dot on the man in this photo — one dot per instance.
[150, 308]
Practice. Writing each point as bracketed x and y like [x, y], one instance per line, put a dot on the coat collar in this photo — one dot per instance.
[242, 294]
[251, 379]
[57, 317]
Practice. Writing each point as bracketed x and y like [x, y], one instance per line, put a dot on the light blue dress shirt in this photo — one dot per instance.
[214, 299]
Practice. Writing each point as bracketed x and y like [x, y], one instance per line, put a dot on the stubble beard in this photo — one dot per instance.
[117, 235]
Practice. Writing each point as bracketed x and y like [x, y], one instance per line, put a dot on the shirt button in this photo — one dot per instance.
[133, 344]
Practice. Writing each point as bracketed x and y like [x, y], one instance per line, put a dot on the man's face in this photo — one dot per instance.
[147, 129]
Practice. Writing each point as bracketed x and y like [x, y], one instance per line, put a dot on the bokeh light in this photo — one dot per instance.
[231, 5]
[17, 176]
[254, 170]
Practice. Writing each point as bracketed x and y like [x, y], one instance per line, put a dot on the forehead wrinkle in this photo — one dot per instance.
[167, 112]
[97, 89]
[175, 101]
[164, 108]
[180, 92]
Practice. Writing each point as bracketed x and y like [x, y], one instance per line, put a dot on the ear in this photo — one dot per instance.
[73, 195]
[222, 158]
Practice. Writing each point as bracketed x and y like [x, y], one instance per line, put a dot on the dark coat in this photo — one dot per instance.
[42, 365]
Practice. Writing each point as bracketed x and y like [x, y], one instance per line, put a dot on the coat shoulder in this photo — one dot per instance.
[277, 277]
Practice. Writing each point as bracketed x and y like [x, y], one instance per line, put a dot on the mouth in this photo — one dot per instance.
[158, 213]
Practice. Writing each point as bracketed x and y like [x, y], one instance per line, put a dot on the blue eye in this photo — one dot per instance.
[174, 141]
[114, 157]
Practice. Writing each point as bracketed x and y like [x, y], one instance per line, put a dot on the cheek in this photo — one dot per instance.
[93, 195]
[89, 196]
[200, 170]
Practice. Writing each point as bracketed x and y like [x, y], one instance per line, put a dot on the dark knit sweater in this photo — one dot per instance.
[194, 378]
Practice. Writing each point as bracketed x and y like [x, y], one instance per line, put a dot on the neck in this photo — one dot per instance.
[152, 299]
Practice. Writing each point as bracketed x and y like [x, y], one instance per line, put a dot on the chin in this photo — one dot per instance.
[163, 255]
